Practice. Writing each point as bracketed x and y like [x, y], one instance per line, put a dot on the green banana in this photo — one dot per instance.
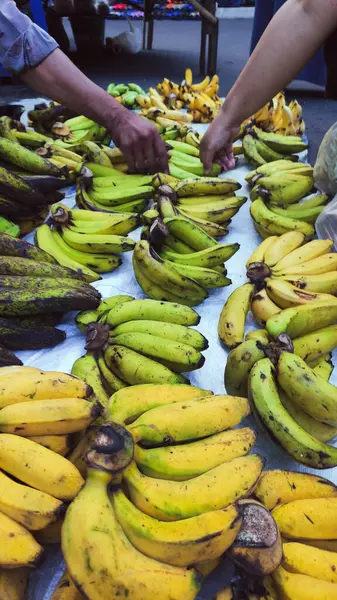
[167, 331]
[151, 289]
[85, 317]
[22, 302]
[239, 363]
[100, 244]
[212, 229]
[175, 244]
[304, 319]
[251, 152]
[26, 159]
[121, 194]
[86, 368]
[6, 129]
[208, 278]
[10, 246]
[318, 430]
[207, 185]
[111, 382]
[286, 144]
[184, 148]
[278, 224]
[100, 263]
[166, 312]
[14, 186]
[309, 215]
[288, 189]
[208, 258]
[266, 152]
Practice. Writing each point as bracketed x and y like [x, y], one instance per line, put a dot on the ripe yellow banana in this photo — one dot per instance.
[294, 586]
[48, 417]
[186, 461]
[189, 420]
[308, 519]
[286, 295]
[326, 283]
[91, 536]
[61, 444]
[300, 558]
[127, 405]
[39, 385]
[19, 548]
[307, 390]
[278, 487]
[260, 252]
[318, 430]
[13, 583]
[315, 345]
[263, 308]
[301, 320]
[180, 543]
[310, 251]
[259, 335]
[39, 467]
[316, 266]
[277, 224]
[231, 326]
[239, 364]
[66, 590]
[286, 243]
[207, 185]
[174, 500]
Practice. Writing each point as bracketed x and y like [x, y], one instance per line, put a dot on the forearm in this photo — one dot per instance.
[295, 33]
[58, 78]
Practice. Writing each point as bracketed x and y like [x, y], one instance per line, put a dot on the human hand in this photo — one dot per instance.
[140, 142]
[216, 144]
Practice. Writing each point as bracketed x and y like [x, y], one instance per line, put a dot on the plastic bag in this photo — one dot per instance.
[326, 224]
[325, 170]
[128, 41]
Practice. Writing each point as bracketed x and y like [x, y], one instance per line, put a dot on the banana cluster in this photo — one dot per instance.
[168, 513]
[40, 411]
[34, 293]
[303, 506]
[87, 241]
[127, 94]
[201, 99]
[262, 147]
[277, 117]
[132, 342]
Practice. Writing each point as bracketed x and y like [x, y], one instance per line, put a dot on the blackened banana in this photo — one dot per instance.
[13, 265]
[20, 302]
[14, 186]
[7, 358]
[10, 246]
[16, 336]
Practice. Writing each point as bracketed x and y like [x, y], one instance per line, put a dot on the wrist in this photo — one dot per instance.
[231, 112]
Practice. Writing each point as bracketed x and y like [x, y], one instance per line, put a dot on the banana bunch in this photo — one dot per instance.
[262, 147]
[184, 161]
[92, 240]
[278, 117]
[303, 506]
[138, 341]
[34, 294]
[201, 99]
[127, 94]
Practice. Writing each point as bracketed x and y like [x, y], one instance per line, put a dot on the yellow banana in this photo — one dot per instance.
[174, 500]
[13, 583]
[66, 590]
[286, 295]
[293, 586]
[277, 224]
[260, 252]
[189, 420]
[86, 367]
[61, 444]
[309, 251]
[48, 417]
[286, 243]
[39, 385]
[320, 564]
[326, 283]
[186, 461]
[316, 266]
[206, 567]
[202, 85]
[180, 543]
[260, 335]
[315, 345]
[231, 327]
[318, 430]
[301, 320]
[308, 519]
[239, 364]
[277, 487]
[19, 548]
[263, 308]
[206, 185]
[127, 405]
[39, 467]
[101, 560]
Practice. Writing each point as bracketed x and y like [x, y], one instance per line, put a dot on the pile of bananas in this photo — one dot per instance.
[127, 94]
[278, 198]
[201, 99]
[90, 242]
[277, 117]
[34, 293]
[138, 341]
[169, 509]
[260, 147]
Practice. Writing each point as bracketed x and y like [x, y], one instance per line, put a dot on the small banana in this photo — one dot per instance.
[301, 320]
[317, 563]
[260, 252]
[276, 223]
[233, 315]
[20, 549]
[209, 258]
[239, 364]
[302, 587]
[286, 295]
[283, 246]
[307, 519]
[309, 251]
[61, 444]
[284, 144]
[315, 345]
[318, 430]
[263, 308]
[13, 583]
[153, 310]
[251, 151]
[168, 331]
[206, 185]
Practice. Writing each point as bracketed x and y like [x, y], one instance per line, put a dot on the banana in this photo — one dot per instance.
[31, 508]
[178, 172]
[285, 190]
[61, 444]
[258, 335]
[184, 147]
[263, 308]
[260, 252]
[87, 369]
[84, 201]
[134, 368]
[286, 295]
[46, 242]
[120, 179]
[15, 187]
[295, 586]
[97, 243]
[300, 558]
[309, 251]
[120, 194]
[316, 266]
[181, 543]
[306, 389]
[13, 583]
[65, 589]
[48, 417]
[208, 278]
[121, 226]
[323, 368]
[295, 440]
[283, 246]
[197, 201]
[189, 420]
[315, 345]
[186, 461]
[10, 246]
[307, 519]
[168, 331]
[154, 290]
[152, 345]
[289, 144]
[18, 155]
[127, 405]
[174, 500]
[239, 364]
[39, 467]
[314, 202]
[233, 316]
[266, 152]
[309, 215]
[188, 232]
[213, 229]
[301, 320]
[130, 573]
[101, 263]
[19, 302]
[326, 283]
[206, 185]
[110, 381]
[282, 165]
[208, 258]
[20, 549]
[219, 212]
[277, 487]
[251, 152]
[318, 430]
[276, 223]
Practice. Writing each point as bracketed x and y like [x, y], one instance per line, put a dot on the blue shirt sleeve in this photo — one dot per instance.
[23, 45]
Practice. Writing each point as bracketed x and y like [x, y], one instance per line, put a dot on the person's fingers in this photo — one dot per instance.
[206, 156]
[161, 155]
[142, 154]
[149, 156]
[129, 157]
